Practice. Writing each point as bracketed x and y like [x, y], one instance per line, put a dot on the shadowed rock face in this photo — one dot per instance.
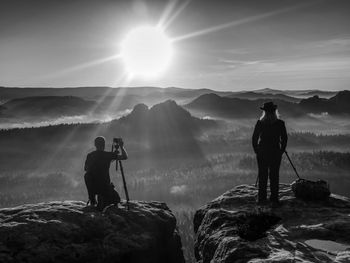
[219, 238]
[70, 232]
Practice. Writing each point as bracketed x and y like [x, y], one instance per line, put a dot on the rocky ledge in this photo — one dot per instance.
[71, 232]
[232, 228]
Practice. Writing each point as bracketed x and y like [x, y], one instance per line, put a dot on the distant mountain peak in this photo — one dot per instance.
[268, 90]
[342, 98]
[166, 111]
[342, 94]
[208, 97]
[169, 107]
[140, 108]
[171, 103]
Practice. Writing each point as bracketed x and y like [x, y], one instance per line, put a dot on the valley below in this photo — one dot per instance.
[186, 147]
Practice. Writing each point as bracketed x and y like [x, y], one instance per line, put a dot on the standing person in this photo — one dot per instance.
[269, 142]
[97, 179]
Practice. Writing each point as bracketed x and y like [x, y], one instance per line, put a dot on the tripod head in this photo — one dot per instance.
[117, 143]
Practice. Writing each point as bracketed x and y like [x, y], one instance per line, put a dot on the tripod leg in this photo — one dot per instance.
[124, 184]
[291, 163]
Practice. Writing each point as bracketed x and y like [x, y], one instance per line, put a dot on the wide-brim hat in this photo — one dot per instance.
[269, 106]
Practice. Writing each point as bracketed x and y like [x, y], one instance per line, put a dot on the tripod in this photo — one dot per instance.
[123, 177]
[295, 170]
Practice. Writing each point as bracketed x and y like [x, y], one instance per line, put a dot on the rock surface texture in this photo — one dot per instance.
[293, 227]
[71, 232]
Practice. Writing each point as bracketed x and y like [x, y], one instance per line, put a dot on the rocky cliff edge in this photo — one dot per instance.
[232, 228]
[71, 232]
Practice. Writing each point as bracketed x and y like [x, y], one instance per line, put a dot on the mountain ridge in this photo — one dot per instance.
[242, 108]
[164, 130]
[90, 92]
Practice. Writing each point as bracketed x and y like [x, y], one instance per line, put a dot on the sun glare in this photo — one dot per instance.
[146, 52]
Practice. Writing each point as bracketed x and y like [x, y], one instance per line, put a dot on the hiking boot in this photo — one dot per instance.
[91, 203]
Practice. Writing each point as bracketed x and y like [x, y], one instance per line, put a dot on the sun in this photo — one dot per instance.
[146, 52]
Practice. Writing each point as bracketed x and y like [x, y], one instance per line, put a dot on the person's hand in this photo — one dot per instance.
[121, 143]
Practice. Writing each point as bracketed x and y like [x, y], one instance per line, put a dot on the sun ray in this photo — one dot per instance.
[242, 21]
[68, 140]
[81, 66]
[124, 80]
[166, 13]
[166, 23]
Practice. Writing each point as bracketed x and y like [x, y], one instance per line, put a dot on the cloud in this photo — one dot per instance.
[333, 43]
[208, 118]
[234, 63]
[319, 116]
[64, 120]
[178, 189]
[234, 51]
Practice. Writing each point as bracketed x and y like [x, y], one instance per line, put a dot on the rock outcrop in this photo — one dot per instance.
[232, 229]
[71, 232]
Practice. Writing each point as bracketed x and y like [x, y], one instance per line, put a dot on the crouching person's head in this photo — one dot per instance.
[100, 143]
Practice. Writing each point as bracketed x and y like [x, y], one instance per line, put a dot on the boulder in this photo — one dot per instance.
[232, 228]
[71, 232]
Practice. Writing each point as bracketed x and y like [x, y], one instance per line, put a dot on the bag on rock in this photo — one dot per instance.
[311, 191]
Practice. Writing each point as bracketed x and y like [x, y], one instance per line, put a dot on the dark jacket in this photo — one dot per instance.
[270, 137]
[97, 168]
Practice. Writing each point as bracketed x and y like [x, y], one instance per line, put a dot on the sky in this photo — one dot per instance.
[222, 45]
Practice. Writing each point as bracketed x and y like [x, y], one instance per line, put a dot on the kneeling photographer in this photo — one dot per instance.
[97, 179]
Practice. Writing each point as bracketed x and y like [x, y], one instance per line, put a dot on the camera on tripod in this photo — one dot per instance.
[117, 142]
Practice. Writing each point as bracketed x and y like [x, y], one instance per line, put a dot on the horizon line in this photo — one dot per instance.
[167, 87]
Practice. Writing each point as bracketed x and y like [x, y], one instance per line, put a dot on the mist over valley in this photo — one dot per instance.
[180, 139]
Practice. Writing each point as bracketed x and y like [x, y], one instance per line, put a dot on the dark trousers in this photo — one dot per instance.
[269, 166]
[90, 189]
[105, 192]
[107, 197]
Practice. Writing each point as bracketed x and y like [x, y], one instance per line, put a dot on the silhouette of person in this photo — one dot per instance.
[269, 142]
[97, 177]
